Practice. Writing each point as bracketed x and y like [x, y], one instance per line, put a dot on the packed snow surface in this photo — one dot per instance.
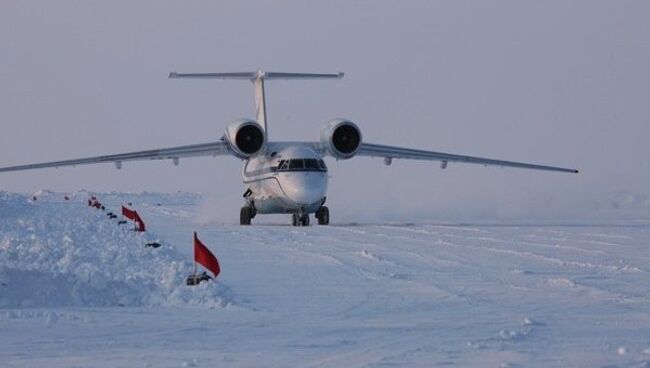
[79, 290]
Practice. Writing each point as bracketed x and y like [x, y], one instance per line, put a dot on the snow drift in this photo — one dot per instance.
[55, 252]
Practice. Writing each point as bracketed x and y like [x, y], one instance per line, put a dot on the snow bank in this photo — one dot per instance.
[55, 252]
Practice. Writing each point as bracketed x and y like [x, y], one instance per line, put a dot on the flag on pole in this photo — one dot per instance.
[203, 256]
[128, 213]
[133, 215]
[139, 224]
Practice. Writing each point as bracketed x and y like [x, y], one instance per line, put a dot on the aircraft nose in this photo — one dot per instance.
[305, 188]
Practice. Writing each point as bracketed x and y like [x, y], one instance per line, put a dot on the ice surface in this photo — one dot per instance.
[79, 290]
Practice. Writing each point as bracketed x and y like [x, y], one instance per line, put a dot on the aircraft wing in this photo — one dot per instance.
[174, 153]
[391, 152]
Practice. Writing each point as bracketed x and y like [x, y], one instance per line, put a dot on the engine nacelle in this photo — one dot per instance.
[341, 138]
[245, 138]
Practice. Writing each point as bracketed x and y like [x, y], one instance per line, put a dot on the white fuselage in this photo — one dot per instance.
[288, 178]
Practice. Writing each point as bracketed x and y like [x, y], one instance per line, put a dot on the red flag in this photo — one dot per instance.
[130, 214]
[203, 256]
[139, 224]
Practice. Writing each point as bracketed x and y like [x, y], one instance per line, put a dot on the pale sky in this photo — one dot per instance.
[564, 83]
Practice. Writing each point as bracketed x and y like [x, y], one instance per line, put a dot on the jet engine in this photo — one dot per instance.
[245, 138]
[341, 138]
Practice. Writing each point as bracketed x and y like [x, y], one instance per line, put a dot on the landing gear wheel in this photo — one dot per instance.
[304, 221]
[297, 220]
[323, 215]
[245, 215]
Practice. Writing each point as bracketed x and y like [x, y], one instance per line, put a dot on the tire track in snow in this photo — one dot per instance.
[346, 251]
[558, 261]
[335, 243]
[421, 244]
[591, 290]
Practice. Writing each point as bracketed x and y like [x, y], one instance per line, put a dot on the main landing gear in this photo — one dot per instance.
[246, 214]
[300, 220]
[322, 215]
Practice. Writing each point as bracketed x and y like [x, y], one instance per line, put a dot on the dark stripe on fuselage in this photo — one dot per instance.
[274, 169]
[288, 203]
[259, 172]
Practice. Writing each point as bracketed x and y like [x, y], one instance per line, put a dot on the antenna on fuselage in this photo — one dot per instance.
[258, 78]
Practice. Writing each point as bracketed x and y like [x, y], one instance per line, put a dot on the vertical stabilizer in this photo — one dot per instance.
[260, 103]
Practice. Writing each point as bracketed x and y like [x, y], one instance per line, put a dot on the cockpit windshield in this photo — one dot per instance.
[300, 164]
[296, 164]
[311, 163]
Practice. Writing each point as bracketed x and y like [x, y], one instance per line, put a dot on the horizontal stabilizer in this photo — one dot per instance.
[257, 75]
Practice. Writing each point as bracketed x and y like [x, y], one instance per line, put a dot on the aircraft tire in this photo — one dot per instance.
[323, 215]
[245, 216]
[295, 220]
[304, 221]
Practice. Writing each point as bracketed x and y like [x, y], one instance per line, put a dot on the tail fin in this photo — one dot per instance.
[258, 78]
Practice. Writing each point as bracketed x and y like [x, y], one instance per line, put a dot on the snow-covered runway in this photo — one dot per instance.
[78, 290]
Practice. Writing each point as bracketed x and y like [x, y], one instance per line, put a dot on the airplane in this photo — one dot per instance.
[284, 177]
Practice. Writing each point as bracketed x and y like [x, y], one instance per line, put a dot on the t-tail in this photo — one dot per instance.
[258, 78]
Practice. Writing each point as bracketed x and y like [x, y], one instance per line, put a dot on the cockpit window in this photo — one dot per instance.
[297, 164]
[300, 164]
[311, 163]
